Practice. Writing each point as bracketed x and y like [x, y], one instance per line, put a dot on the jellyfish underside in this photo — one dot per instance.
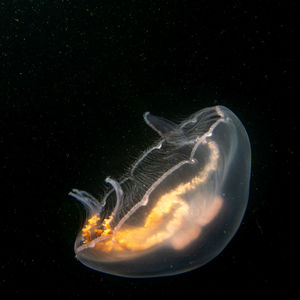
[180, 204]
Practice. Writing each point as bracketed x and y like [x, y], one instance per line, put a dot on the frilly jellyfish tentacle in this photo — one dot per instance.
[91, 204]
[119, 193]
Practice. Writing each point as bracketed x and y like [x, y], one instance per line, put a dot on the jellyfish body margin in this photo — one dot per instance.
[179, 205]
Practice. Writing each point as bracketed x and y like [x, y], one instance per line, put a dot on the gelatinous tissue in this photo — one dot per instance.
[178, 206]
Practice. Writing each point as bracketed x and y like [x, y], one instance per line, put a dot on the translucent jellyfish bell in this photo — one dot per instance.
[178, 207]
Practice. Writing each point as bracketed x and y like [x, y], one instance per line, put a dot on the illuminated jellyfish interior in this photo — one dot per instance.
[178, 206]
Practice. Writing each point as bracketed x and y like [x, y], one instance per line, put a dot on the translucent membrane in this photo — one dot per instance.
[178, 206]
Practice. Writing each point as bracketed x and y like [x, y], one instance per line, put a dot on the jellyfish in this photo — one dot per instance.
[178, 206]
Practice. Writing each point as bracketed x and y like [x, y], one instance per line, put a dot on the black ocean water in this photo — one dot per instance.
[75, 80]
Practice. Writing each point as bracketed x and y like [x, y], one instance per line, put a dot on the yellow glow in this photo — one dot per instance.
[93, 220]
[170, 218]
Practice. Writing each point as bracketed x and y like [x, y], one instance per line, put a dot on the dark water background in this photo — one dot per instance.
[75, 79]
